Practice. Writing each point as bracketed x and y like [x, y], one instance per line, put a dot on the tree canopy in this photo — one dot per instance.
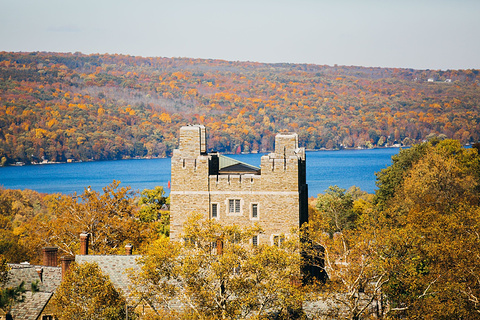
[431, 227]
[87, 294]
[216, 273]
[410, 251]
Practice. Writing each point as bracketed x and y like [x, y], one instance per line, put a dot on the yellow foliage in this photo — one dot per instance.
[11, 111]
[52, 122]
[40, 133]
[165, 117]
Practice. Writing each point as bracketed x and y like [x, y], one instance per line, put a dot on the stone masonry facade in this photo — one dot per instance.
[275, 195]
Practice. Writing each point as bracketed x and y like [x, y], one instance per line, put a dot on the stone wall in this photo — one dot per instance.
[277, 192]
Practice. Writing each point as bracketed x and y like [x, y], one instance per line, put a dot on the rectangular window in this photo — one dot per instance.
[214, 210]
[189, 242]
[254, 210]
[234, 205]
[255, 241]
[278, 240]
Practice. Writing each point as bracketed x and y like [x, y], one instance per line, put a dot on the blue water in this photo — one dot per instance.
[324, 168]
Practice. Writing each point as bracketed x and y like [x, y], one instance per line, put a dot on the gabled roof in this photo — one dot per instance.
[34, 303]
[232, 166]
[32, 306]
[51, 276]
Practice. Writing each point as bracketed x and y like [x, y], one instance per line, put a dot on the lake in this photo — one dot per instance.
[324, 168]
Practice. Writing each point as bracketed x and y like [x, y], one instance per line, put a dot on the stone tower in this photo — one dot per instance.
[275, 195]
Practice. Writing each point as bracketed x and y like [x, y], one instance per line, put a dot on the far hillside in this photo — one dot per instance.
[62, 106]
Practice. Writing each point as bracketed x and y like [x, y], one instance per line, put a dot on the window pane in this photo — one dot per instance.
[231, 205]
[254, 210]
[214, 210]
[237, 206]
[255, 240]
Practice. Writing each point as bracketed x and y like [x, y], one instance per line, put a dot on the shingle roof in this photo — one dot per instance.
[51, 276]
[32, 306]
[34, 303]
[115, 267]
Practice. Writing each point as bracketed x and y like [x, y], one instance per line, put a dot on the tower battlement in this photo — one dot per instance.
[274, 195]
[193, 141]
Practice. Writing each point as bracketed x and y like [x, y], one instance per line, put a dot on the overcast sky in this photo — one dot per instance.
[421, 34]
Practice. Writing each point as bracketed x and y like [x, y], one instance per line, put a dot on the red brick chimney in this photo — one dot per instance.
[66, 261]
[84, 237]
[50, 256]
[128, 249]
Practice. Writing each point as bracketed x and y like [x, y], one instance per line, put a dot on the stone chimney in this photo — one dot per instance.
[66, 261]
[128, 249]
[50, 256]
[84, 238]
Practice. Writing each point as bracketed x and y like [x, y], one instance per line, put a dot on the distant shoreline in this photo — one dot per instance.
[45, 162]
[229, 153]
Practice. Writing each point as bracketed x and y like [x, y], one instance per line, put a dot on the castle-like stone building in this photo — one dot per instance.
[274, 195]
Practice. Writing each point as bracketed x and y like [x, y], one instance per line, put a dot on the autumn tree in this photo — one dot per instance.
[342, 242]
[430, 230]
[217, 273]
[17, 208]
[109, 217]
[86, 293]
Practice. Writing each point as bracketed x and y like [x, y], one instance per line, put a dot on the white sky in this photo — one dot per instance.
[420, 34]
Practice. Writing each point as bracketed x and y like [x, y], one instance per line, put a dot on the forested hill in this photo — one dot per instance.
[59, 106]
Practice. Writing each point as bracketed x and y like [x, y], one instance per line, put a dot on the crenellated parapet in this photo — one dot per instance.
[236, 182]
[219, 187]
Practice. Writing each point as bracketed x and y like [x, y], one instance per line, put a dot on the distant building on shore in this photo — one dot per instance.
[275, 195]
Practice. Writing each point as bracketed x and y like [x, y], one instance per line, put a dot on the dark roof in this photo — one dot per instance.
[240, 168]
[115, 267]
[34, 303]
[233, 166]
[51, 276]
[32, 306]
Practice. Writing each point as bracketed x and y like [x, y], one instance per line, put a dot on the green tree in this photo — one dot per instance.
[151, 203]
[391, 178]
[337, 207]
[86, 293]
[347, 251]
[218, 274]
